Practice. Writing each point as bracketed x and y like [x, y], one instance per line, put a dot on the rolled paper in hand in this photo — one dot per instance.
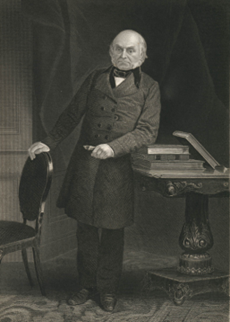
[89, 147]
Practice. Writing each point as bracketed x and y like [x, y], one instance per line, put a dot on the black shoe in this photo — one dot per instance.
[81, 297]
[108, 302]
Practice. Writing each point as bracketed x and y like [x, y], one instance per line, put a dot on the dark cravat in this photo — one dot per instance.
[121, 73]
[136, 72]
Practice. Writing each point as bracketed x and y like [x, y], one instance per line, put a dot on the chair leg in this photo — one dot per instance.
[1, 255]
[38, 269]
[25, 261]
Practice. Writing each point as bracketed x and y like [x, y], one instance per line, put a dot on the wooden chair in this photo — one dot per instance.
[33, 190]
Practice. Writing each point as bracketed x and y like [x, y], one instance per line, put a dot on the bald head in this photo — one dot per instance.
[128, 50]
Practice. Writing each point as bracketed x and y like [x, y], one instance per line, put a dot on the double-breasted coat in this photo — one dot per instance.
[101, 192]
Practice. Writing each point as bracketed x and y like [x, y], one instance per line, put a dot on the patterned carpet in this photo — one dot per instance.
[35, 309]
[19, 303]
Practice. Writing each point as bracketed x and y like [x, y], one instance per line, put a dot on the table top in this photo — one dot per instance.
[183, 174]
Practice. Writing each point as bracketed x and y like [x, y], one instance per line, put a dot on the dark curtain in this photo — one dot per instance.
[187, 54]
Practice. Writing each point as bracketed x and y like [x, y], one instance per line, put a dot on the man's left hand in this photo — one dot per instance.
[102, 151]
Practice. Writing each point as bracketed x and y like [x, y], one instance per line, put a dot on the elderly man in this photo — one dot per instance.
[121, 105]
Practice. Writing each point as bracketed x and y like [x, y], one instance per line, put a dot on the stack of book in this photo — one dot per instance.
[166, 157]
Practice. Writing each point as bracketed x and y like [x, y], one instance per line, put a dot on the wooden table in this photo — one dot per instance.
[195, 273]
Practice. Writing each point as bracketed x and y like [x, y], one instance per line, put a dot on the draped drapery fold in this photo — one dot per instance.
[52, 64]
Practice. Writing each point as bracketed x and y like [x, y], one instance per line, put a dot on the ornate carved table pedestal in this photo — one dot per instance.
[195, 273]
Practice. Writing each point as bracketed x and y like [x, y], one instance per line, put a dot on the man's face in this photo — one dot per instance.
[126, 53]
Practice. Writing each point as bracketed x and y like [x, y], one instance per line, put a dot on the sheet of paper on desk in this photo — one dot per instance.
[181, 174]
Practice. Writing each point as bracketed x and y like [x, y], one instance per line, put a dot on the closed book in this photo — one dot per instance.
[153, 157]
[167, 165]
[185, 156]
[164, 149]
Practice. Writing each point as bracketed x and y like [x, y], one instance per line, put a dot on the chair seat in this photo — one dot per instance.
[12, 231]
[34, 186]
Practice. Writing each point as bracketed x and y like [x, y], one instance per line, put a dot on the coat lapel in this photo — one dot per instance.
[127, 87]
[103, 84]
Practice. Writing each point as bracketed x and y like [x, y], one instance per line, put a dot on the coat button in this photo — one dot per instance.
[116, 117]
[109, 127]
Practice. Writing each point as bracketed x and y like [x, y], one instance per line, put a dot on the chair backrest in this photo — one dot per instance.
[34, 185]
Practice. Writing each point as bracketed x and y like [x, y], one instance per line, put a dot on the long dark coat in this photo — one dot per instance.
[100, 192]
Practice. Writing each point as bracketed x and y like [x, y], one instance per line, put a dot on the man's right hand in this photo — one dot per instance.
[36, 148]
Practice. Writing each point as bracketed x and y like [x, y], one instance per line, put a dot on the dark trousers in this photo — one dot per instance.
[99, 257]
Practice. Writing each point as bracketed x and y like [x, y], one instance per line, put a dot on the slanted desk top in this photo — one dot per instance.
[177, 182]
